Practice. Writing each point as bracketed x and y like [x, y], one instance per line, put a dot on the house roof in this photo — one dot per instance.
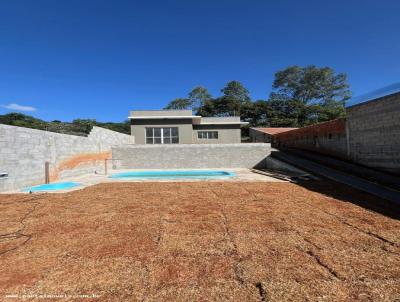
[272, 131]
[226, 120]
[184, 114]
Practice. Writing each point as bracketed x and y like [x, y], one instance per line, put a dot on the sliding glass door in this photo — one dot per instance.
[162, 135]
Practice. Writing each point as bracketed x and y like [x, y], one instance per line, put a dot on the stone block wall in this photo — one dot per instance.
[374, 133]
[24, 151]
[191, 156]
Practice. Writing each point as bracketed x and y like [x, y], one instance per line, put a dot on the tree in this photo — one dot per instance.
[83, 125]
[258, 113]
[236, 91]
[198, 97]
[207, 108]
[235, 100]
[285, 112]
[307, 95]
[179, 104]
[311, 84]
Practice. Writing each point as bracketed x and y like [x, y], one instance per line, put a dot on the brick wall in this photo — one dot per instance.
[326, 138]
[191, 156]
[24, 151]
[374, 133]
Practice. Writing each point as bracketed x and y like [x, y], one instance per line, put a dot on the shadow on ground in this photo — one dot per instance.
[346, 194]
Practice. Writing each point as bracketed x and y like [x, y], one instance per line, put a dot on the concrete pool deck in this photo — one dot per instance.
[241, 175]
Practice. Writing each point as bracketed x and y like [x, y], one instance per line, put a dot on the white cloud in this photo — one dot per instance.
[14, 106]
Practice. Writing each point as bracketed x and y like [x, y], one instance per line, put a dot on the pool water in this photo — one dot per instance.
[53, 187]
[178, 174]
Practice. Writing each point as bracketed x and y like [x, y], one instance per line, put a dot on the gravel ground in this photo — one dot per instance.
[200, 241]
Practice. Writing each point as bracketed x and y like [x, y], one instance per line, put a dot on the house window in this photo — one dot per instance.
[157, 135]
[207, 134]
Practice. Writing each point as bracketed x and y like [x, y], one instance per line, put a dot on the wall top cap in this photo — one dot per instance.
[374, 95]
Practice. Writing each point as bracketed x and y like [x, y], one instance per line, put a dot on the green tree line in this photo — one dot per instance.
[300, 96]
[80, 127]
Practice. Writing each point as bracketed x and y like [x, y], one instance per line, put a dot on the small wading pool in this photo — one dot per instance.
[57, 186]
[178, 174]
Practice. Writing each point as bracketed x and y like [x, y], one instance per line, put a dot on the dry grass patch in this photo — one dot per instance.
[201, 241]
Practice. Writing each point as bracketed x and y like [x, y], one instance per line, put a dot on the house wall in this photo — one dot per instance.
[138, 129]
[227, 134]
[24, 151]
[191, 156]
[374, 133]
[257, 136]
[327, 138]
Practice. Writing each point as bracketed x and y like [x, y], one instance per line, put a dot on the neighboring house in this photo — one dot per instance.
[264, 135]
[182, 127]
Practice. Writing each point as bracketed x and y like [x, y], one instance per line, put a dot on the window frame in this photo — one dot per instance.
[207, 134]
[173, 139]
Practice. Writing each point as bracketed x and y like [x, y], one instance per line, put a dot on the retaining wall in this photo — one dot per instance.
[327, 138]
[191, 156]
[374, 133]
[24, 151]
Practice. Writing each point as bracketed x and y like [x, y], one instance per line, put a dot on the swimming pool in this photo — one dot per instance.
[53, 187]
[177, 174]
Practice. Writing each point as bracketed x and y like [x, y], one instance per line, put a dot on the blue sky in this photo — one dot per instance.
[99, 59]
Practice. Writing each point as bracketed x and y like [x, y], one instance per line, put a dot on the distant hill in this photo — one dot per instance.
[80, 127]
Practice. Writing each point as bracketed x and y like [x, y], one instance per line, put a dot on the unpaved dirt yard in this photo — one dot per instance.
[200, 241]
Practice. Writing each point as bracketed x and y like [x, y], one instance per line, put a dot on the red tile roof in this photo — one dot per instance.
[272, 131]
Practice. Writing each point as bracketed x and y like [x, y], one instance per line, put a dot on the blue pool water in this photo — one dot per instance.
[178, 174]
[53, 187]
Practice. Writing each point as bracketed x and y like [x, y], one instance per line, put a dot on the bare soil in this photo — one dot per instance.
[200, 241]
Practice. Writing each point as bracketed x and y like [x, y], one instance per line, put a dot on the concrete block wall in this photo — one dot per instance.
[191, 156]
[106, 138]
[374, 133]
[24, 151]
